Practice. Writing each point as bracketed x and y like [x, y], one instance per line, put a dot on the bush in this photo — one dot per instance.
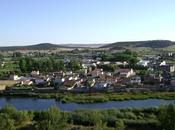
[119, 125]
[167, 117]
[6, 122]
[52, 119]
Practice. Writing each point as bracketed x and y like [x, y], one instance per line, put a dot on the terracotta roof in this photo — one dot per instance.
[123, 70]
[69, 83]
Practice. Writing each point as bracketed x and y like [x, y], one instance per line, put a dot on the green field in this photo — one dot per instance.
[10, 66]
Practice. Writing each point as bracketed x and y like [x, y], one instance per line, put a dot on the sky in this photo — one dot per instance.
[26, 22]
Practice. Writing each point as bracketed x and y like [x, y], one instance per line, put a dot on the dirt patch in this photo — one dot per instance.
[4, 83]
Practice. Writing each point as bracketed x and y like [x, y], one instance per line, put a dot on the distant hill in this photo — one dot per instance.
[150, 44]
[113, 46]
[86, 45]
[41, 46]
[49, 46]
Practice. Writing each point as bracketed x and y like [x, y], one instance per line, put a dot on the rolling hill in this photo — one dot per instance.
[49, 46]
[41, 46]
[134, 44]
[153, 44]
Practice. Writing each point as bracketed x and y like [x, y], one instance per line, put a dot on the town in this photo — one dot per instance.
[86, 71]
[87, 65]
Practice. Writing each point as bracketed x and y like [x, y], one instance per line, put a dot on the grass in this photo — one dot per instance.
[99, 97]
[10, 66]
[170, 61]
[169, 48]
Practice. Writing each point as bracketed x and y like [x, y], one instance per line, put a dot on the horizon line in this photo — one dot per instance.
[77, 43]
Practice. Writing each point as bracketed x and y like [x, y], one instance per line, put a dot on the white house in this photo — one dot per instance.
[26, 82]
[162, 63]
[35, 73]
[3, 64]
[68, 73]
[121, 63]
[97, 72]
[39, 81]
[125, 73]
[59, 80]
[100, 85]
[59, 74]
[172, 68]
[135, 80]
[106, 62]
[143, 63]
[14, 77]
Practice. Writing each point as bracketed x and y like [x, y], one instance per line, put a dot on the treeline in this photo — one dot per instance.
[127, 55]
[161, 118]
[108, 67]
[47, 65]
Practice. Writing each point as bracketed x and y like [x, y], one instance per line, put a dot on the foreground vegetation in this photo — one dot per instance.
[161, 118]
[98, 97]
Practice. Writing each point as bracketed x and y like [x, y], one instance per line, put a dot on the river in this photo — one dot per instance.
[41, 104]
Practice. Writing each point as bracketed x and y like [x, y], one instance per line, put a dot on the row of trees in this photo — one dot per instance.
[47, 65]
[108, 67]
[162, 118]
[127, 55]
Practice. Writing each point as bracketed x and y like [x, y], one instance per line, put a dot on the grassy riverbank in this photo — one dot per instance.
[98, 97]
[160, 118]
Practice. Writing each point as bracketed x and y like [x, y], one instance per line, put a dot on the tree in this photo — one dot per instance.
[119, 125]
[89, 83]
[23, 65]
[100, 125]
[129, 52]
[19, 117]
[75, 65]
[17, 54]
[47, 65]
[133, 61]
[6, 123]
[59, 66]
[22, 117]
[1, 56]
[167, 118]
[10, 110]
[52, 119]
[109, 67]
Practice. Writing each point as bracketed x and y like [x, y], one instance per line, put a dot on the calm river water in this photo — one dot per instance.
[40, 104]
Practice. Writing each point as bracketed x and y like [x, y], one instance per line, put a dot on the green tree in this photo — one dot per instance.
[23, 65]
[109, 67]
[89, 83]
[100, 125]
[119, 125]
[133, 61]
[167, 118]
[19, 117]
[59, 66]
[52, 119]
[75, 65]
[17, 54]
[10, 110]
[6, 123]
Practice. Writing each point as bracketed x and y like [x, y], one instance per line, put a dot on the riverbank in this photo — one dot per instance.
[95, 97]
[111, 119]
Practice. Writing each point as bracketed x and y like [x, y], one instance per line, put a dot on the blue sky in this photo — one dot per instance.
[24, 22]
